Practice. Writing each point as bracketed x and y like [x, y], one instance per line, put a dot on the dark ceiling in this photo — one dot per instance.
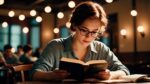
[40, 4]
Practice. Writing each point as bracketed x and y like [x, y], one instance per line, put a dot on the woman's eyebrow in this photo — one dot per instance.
[84, 27]
[88, 28]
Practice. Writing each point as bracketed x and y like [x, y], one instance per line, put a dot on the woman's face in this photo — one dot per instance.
[88, 31]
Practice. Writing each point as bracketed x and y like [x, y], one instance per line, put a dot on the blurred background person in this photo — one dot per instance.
[37, 52]
[2, 60]
[19, 51]
[9, 56]
[27, 57]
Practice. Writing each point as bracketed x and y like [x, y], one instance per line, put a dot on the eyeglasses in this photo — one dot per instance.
[85, 32]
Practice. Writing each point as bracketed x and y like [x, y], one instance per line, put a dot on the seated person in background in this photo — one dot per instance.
[27, 56]
[87, 22]
[19, 51]
[2, 60]
[37, 52]
[9, 56]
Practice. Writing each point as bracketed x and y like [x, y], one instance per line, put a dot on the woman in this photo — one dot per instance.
[87, 21]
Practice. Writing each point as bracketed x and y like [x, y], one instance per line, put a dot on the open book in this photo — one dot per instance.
[80, 70]
[135, 78]
[127, 79]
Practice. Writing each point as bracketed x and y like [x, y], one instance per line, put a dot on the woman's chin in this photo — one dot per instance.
[86, 44]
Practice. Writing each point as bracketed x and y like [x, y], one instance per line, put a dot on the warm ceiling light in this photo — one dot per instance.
[38, 18]
[109, 1]
[60, 15]
[1, 2]
[33, 12]
[47, 9]
[11, 13]
[4, 24]
[21, 17]
[68, 24]
[71, 4]
[56, 30]
[25, 30]
[133, 13]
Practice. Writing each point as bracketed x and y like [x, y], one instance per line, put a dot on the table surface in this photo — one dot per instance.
[84, 82]
[39, 82]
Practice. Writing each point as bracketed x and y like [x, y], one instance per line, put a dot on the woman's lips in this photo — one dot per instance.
[86, 41]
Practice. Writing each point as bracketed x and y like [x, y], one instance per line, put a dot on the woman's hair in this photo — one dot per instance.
[86, 10]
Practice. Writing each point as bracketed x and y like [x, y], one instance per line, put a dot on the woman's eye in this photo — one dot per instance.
[83, 30]
[93, 32]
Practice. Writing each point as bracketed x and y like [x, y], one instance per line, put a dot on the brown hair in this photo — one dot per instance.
[86, 10]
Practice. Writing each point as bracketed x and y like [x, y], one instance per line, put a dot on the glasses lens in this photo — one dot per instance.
[94, 34]
[83, 32]
[86, 32]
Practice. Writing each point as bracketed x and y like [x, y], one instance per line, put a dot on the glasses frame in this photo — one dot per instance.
[86, 32]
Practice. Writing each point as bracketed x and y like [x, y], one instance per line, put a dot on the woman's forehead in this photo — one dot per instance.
[92, 23]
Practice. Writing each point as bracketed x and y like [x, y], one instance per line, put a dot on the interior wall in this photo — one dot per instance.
[143, 18]
[47, 26]
[122, 8]
[125, 20]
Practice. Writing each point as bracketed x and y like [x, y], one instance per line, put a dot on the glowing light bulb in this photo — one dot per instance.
[21, 17]
[33, 12]
[47, 9]
[68, 24]
[60, 15]
[123, 32]
[134, 13]
[109, 1]
[25, 30]
[38, 18]
[4, 24]
[71, 4]
[2, 2]
[56, 30]
[11, 13]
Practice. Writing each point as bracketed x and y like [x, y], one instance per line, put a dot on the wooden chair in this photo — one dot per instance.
[22, 68]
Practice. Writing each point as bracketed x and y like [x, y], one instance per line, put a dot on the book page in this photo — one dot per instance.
[71, 60]
[133, 78]
[93, 80]
[96, 62]
[124, 79]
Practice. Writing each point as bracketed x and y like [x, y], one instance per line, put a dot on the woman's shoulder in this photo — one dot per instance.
[98, 43]
[59, 40]
[56, 41]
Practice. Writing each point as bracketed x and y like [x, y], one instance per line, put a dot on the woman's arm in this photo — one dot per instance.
[51, 75]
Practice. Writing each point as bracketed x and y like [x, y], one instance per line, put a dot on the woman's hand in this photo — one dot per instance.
[104, 75]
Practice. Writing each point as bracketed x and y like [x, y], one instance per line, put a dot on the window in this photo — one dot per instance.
[15, 35]
[3, 36]
[35, 34]
[35, 37]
